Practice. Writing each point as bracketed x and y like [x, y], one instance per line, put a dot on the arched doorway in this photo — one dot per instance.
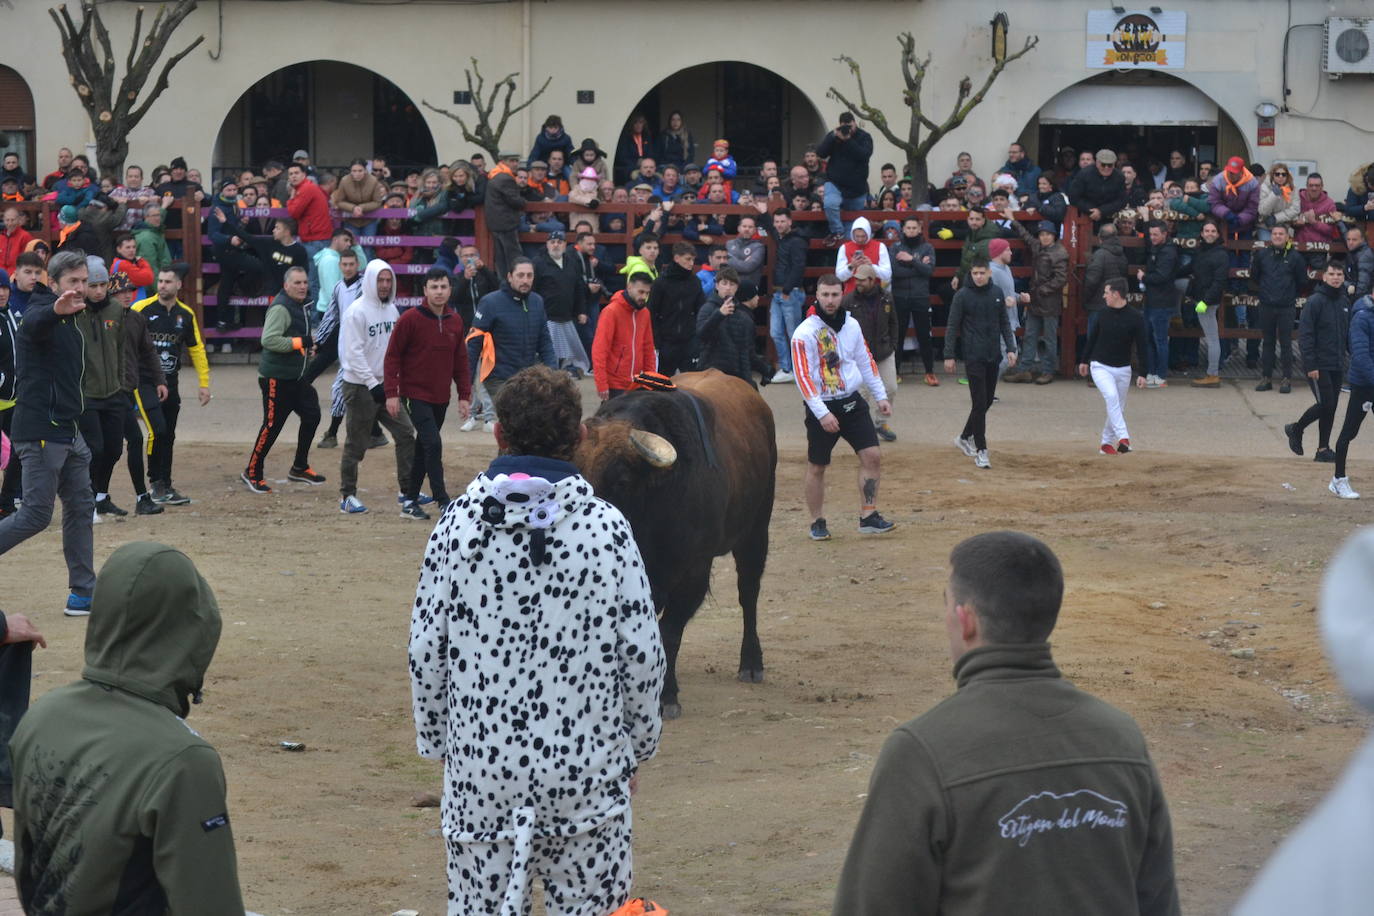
[1144, 114]
[17, 124]
[336, 111]
[763, 115]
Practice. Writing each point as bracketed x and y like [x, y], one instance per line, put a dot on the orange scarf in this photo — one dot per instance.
[1233, 188]
[501, 168]
[1287, 192]
[66, 231]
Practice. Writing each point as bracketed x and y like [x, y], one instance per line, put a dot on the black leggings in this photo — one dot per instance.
[145, 407]
[1360, 395]
[918, 311]
[1277, 323]
[160, 453]
[1326, 388]
[427, 419]
[982, 386]
[102, 426]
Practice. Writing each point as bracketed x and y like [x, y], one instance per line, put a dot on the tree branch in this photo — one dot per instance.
[965, 104]
[864, 111]
[133, 43]
[518, 108]
[161, 85]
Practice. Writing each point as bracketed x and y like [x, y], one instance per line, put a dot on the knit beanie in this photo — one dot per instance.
[996, 247]
[96, 272]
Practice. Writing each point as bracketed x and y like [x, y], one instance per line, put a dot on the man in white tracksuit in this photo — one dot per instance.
[364, 332]
[536, 670]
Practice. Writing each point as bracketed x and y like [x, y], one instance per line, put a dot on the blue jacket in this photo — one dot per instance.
[519, 331]
[1362, 343]
[1027, 173]
[544, 144]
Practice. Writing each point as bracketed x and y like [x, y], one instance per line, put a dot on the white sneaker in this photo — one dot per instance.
[782, 376]
[1340, 486]
[1153, 381]
[966, 446]
[980, 460]
[351, 505]
[96, 519]
[489, 426]
[469, 424]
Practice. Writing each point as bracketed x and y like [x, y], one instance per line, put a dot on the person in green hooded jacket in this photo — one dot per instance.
[119, 807]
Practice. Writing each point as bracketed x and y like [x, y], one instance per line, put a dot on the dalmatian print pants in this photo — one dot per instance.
[584, 875]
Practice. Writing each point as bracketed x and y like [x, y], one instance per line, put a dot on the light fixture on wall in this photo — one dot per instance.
[1119, 10]
[1156, 10]
[1266, 109]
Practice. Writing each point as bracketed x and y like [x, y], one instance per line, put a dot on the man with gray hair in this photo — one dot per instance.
[47, 440]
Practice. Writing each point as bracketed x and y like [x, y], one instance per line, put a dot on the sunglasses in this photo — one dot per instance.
[1280, 174]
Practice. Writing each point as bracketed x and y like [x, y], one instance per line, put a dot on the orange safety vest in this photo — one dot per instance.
[640, 907]
[488, 362]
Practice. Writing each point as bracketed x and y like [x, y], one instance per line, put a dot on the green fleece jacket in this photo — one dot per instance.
[119, 807]
[102, 328]
[152, 246]
[1018, 794]
[976, 244]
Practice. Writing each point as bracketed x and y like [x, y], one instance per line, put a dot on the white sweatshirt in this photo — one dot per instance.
[830, 366]
[365, 330]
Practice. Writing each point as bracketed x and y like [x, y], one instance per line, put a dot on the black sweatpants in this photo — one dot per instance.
[102, 426]
[1360, 395]
[10, 489]
[160, 455]
[982, 385]
[428, 419]
[280, 399]
[915, 310]
[1326, 388]
[145, 407]
[1276, 321]
[240, 273]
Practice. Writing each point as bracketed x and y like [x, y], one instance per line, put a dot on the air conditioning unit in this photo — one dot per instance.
[1348, 47]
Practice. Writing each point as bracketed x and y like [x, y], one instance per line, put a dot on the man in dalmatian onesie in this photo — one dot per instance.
[536, 670]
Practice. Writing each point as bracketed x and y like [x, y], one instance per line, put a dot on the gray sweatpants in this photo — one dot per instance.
[53, 469]
[361, 411]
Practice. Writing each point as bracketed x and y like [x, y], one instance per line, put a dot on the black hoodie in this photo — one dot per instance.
[52, 359]
[674, 301]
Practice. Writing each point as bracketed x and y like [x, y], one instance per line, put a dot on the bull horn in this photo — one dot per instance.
[654, 449]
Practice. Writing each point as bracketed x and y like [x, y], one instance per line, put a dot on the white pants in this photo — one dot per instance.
[887, 371]
[1113, 383]
[584, 875]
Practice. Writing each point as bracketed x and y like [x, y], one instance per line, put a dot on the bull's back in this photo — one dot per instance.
[745, 443]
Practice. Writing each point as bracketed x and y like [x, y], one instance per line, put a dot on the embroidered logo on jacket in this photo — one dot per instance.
[1045, 812]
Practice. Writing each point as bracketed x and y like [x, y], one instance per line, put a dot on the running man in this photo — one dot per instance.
[1361, 391]
[831, 362]
[1108, 357]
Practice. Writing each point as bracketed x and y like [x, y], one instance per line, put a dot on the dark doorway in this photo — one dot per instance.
[1139, 143]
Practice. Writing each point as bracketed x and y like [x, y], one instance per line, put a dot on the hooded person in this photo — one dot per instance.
[862, 248]
[589, 154]
[119, 805]
[585, 194]
[1323, 866]
[1359, 200]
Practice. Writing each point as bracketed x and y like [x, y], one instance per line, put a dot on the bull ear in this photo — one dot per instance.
[654, 449]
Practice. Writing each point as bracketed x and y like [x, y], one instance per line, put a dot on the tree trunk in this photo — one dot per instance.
[920, 176]
[111, 149]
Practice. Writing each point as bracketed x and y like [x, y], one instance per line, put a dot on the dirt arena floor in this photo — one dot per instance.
[1173, 560]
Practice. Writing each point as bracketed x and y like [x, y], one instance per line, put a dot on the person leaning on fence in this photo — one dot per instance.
[504, 203]
[1210, 268]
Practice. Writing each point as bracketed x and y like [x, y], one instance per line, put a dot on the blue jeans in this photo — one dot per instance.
[1158, 322]
[833, 202]
[783, 319]
[1040, 331]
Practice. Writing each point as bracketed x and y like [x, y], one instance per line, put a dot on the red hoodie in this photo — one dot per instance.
[311, 211]
[624, 345]
[425, 352]
[12, 246]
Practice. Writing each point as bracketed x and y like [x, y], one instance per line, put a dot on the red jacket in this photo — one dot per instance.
[310, 210]
[624, 345]
[12, 246]
[424, 353]
[139, 270]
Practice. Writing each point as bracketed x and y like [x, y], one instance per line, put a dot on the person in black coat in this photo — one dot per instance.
[1099, 192]
[1322, 337]
[472, 279]
[913, 260]
[674, 301]
[725, 329]
[1210, 268]
[1161, 302]
[1277, 272]
[558, 279]
[847, 150]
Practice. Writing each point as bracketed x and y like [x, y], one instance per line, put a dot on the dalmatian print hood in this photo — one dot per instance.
[509, 499]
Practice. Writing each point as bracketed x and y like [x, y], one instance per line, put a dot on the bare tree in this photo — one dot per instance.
[116, 111]
[916, 146]
[483, 134]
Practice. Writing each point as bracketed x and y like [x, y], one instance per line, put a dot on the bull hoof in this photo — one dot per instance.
[672, 710]
[751, 675]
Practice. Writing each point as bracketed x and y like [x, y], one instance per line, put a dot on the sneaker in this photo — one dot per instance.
[305, 475]
[1207, 381]
[1123, 446]
[257, 486]
[981, 459]
[106, 506]
[1325, 456]
[489, 426]
[7, 509]
[818, 530]
[170, 496]
[931, 380]
[379, 441]
[873, 523]
[1265, 385]
[424, 499]
[1106, 448]
[885, 433]
[1044, 378]
[351, 505]
[1017, 376]
[782, 375]
[470, 424]
[1340, 486]
[159, 491]
[1295, 439]
[328, 441]
[1151, 381]
[146, 506]
[963, 381]
[96, 518]
[966, 446]
[413, 510]
[80, 605]
[1285, 387]
[833, 240]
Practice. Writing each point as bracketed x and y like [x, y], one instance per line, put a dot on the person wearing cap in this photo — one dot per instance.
[101, 325]
[302, 158]
[721, 158]
[504, 204]
[1099, 191]
[874, 310]
[691, 180]
[558, 279]
[726, 330]
[538, 187]
[172, 191]
[1233, 196]
[1044, 303]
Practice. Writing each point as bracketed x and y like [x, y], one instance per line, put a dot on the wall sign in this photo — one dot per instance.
[1136, 40]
